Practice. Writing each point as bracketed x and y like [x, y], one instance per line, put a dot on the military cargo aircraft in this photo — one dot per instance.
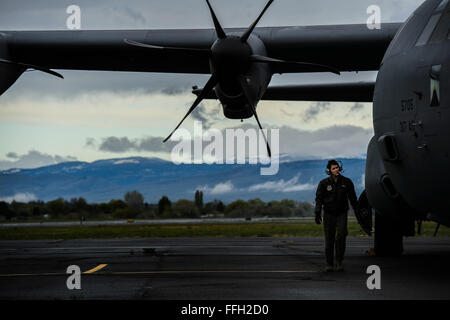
[406, 176]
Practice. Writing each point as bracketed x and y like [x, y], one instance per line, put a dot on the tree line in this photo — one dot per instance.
[133, 206]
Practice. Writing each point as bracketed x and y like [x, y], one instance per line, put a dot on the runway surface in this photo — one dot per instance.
[219, 268]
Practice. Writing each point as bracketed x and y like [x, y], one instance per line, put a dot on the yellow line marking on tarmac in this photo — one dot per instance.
[99, 267]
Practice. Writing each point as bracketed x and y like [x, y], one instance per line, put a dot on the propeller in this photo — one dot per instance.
[212, 82]
[191, 51]
[220, 33]
[247, 93]
[208, 87]
[227, 53]
[302, 66]
[246, 34]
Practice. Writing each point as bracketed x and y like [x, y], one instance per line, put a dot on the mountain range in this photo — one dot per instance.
[103, 180]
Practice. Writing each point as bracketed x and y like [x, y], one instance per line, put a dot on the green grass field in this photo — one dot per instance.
[251, 229]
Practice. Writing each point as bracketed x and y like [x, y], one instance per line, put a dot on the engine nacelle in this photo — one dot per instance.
[257, 76]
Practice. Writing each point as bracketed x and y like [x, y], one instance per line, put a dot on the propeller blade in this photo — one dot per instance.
[31, 66]
[192, 51]
[247, 33]
[208, 87]
[306, 66]
[246, 91]
[259, 124]
[220, 33]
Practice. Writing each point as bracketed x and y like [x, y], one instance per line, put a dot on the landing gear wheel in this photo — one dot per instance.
[364, 213]
[388, 236]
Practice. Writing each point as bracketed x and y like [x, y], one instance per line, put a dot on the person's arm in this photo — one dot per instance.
[352, 196]
[319, 203]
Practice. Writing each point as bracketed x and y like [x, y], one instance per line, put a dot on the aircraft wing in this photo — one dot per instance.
[349, 92]
[345, 47]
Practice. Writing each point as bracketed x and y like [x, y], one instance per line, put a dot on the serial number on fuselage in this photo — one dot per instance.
[407, 105]
[407, 125]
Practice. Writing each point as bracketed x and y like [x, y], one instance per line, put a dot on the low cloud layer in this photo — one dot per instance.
[33, 159]
[19, 197]
[291, 185]
[294, 144]
[208, 117]
[316, 108]
[124, 144]
[12, 155]
[220, 188]
[335, 141]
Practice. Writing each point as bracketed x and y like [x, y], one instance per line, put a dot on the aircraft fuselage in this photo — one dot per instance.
[411, 114]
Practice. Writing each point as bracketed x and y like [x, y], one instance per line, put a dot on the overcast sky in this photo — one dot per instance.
[96, 115]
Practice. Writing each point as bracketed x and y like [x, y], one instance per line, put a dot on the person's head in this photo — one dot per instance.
[333, 168]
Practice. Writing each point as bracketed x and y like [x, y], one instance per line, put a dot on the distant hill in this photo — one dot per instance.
[103, 180]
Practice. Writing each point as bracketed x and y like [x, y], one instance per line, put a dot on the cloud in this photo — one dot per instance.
[121, 15]
[194, 14]
[286, 113]
[219, 188]
[313, 111]
[175, 90]
[335, 141]
[126, 161]
[208, 117]
[90, 142]
[346, 141]
[199, 114]
[291, 185]
[135, 15]
[76, 83]
[19, 197]
[155, 144]
[147, 144]
[358, 106]
[114, 144]
[12, 155]
[34, 159]
[136, 109]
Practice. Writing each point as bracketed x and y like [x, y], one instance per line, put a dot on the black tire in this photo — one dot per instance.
[364, 214]
[388, 236]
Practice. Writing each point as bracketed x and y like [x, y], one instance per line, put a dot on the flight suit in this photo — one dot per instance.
[334, 196]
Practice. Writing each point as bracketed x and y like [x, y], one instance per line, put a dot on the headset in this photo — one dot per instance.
[333, 162]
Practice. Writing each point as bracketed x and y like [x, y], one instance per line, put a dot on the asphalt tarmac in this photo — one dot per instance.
[219, 268]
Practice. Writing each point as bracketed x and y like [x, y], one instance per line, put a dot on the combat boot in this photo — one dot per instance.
[329, 268]
[339, 266]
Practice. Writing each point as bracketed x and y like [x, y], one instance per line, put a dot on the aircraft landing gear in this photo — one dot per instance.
[388, 236]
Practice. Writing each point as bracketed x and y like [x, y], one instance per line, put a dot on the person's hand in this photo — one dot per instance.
[318, 218]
